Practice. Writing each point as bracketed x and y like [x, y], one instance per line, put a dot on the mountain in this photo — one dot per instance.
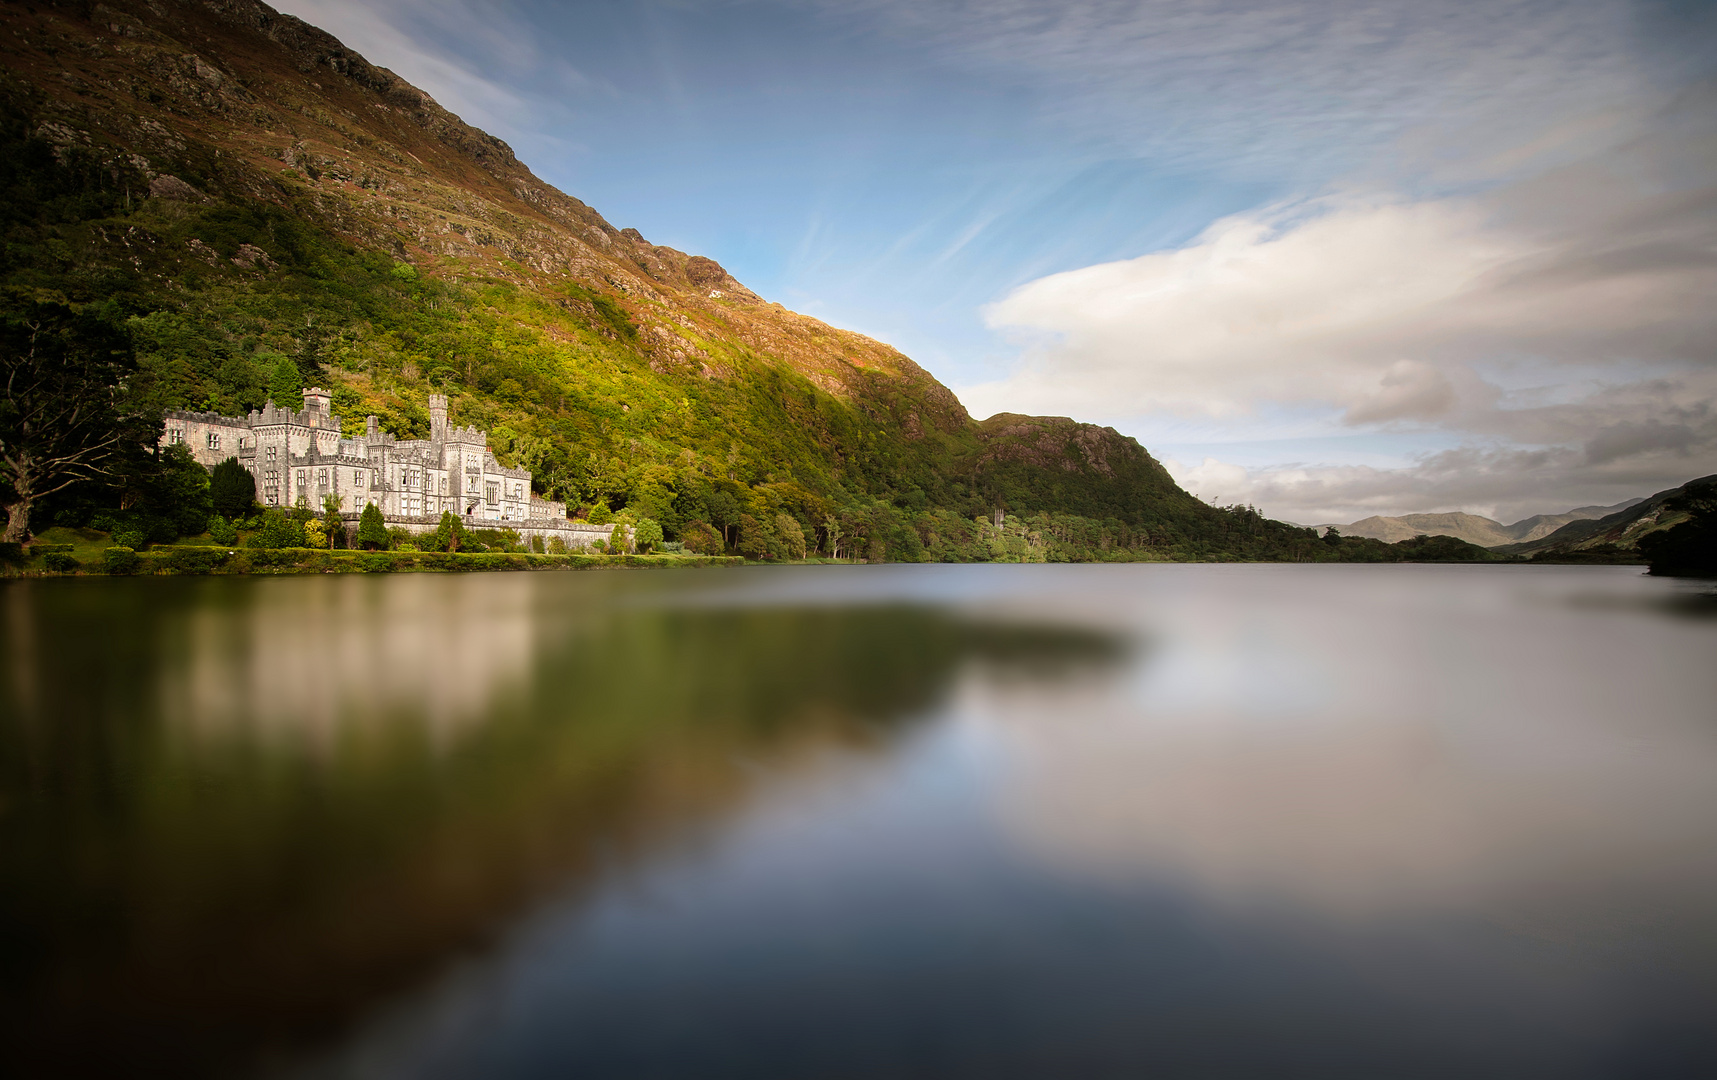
[1619, 534]
[1473, 529]
[258, 208]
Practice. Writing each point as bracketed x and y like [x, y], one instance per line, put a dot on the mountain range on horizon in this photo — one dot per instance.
[1474, 529]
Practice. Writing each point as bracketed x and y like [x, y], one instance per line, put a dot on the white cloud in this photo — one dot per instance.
[1558, 328]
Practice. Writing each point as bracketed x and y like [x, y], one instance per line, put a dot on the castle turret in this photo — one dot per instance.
[317, 400]
[438, 417]
[372, 428]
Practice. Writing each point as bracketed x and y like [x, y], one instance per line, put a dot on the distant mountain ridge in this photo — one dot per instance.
[1483, 531]
[1618, 533]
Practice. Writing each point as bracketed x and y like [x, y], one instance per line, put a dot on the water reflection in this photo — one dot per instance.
[883, 821]
[238, 812]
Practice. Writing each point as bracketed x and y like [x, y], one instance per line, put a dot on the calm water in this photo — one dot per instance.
[861, 822]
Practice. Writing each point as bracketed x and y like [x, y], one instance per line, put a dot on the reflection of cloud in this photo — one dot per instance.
[1300, 740]
[304, 663]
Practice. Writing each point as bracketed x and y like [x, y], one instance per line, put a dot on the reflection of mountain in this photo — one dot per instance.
[184, 897]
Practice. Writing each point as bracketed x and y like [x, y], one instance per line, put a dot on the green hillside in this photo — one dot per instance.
[250, 207]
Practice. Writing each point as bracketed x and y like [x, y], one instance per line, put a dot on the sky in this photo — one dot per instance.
[1330, 259]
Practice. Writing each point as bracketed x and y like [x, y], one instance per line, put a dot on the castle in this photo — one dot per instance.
[304, 455]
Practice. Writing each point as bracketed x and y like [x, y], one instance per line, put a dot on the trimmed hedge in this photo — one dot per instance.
[121, 560]
[187, 559]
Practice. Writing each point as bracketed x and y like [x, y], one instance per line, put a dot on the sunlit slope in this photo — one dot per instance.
[262, 207]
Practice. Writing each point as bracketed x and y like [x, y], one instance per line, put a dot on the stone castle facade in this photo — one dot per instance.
[303, 454]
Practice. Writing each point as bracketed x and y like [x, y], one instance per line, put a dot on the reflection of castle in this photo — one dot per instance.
[303, 455]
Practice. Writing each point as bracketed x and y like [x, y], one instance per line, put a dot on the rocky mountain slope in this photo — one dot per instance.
[1620, 533]
[1472, 528]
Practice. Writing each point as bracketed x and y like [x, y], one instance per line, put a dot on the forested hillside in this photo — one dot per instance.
[245, 207]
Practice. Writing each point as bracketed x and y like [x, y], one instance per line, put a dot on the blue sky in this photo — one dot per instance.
[1332, 259]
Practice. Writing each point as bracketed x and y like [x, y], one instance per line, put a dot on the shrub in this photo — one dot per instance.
[11, 551]
[130, 539]
[537, 544]
[221, 530]
[278, 531]
[701, 539]
[190, 560]
[121, 560]
[556, 546]
[617, 540]
[600, 545]
[315, 535]
[646, 535]
[232, 489]
[401, 538]
[60, 563]
[600, 514]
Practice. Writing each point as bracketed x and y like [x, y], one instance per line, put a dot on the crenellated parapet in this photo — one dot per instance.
[302, 454]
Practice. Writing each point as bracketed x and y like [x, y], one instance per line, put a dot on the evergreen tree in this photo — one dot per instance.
[450, 535]
[232, 488]
[285, 386]
[617, 541]
[372, 531]
[647, 535]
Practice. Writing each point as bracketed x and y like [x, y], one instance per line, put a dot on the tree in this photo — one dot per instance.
[701, 539]
[792, 536]
[600, 514]
[449, 535]
[647, 535]
[617, 542]
[232, 488]
[372, 530]
[333, 525]
[169, 494]
[286, 386]
[62, 420]
[758, 539]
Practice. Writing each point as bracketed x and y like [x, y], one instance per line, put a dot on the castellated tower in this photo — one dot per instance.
[438, 417]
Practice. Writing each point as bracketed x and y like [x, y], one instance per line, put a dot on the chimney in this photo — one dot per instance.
[372, 428]
[438, 417]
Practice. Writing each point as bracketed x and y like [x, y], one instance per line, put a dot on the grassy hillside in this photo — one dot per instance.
[257, 207]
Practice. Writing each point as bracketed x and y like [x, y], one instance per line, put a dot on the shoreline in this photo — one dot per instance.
[184, 559]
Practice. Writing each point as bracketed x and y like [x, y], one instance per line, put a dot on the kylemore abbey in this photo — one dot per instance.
[302, 455]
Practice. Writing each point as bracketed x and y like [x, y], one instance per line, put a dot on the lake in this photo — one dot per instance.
[885, 821]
